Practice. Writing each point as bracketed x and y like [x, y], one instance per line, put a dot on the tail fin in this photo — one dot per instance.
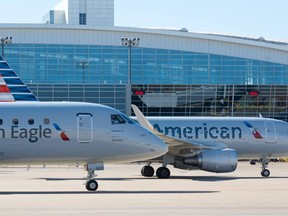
[12, 89]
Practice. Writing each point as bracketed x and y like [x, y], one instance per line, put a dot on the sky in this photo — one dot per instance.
[247, 18]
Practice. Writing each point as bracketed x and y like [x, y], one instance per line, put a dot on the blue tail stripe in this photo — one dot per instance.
[4, 65]
[19, 89]
[24, 97]
[7, 73]
[13, 81]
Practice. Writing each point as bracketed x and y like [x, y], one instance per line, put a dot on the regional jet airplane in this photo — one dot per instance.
[33, 132]
[215, 144]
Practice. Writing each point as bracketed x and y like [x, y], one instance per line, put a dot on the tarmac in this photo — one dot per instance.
[123, 191]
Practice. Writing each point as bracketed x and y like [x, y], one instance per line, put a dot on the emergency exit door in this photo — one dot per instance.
[84, 128]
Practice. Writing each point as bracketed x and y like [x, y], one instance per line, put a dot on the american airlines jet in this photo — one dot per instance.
[33, 132]
[215, 144]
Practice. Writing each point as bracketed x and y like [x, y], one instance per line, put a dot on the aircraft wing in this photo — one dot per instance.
[176, 146]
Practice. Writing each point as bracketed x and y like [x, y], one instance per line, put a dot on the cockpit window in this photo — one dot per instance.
[127, 119]
[117, 119]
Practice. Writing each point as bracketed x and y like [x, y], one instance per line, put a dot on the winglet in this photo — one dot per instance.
[141, 119]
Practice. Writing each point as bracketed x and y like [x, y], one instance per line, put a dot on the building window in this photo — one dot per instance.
[82, 19]
[52, 17]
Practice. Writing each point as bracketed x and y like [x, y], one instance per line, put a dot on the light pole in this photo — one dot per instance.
[129, 42]
[83, 64]
[4, 41]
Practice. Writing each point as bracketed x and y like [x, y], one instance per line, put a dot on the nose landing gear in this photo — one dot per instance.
[91, 184]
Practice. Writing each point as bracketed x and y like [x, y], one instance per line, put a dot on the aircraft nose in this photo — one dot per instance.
[158, 147]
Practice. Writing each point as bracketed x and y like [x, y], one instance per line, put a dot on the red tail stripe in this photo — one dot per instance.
[4, 88]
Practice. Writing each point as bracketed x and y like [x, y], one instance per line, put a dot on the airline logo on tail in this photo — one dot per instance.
[253, 130]
[12, 88]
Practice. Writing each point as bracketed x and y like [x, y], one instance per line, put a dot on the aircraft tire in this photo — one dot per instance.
[265, 173]
[163, 172]
[147, 171]
[91, 185]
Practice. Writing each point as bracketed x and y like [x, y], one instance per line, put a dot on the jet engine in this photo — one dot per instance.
[219, 160]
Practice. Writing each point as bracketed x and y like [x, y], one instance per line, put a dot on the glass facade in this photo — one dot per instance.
[212, 100]
[164, 82]
[42, 63]
[109, 95]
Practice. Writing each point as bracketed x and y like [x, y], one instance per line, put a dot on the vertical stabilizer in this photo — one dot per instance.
[12, 89]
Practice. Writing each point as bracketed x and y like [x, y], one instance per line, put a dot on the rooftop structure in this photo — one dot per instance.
[82, 12]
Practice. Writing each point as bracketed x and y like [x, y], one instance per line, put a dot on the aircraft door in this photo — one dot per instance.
[270, 132]
[84, 128]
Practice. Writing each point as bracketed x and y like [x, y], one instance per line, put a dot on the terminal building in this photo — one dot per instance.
[77, 54]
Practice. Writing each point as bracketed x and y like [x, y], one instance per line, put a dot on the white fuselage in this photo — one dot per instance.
[67, 132]
[250, 137]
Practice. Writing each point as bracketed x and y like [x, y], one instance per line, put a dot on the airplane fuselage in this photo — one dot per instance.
[250, 137]
[67, 132]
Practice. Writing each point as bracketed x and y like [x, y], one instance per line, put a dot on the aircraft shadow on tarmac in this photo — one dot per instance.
[193, 178]
[102, 192]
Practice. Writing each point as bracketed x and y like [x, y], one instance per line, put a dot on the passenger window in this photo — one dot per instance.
[30, 121]
[46, 121]
[117, 119]
[15, 122]
[1, 121]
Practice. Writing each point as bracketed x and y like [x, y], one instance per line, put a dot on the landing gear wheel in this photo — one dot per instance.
[147, 171]
[91, 185]
[163, 172]
[265, 173]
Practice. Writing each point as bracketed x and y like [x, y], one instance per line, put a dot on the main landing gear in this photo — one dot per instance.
[161, 172]
[264, 162]
[265, 172]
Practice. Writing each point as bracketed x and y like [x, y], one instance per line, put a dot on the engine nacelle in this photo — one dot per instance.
[219, 160]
